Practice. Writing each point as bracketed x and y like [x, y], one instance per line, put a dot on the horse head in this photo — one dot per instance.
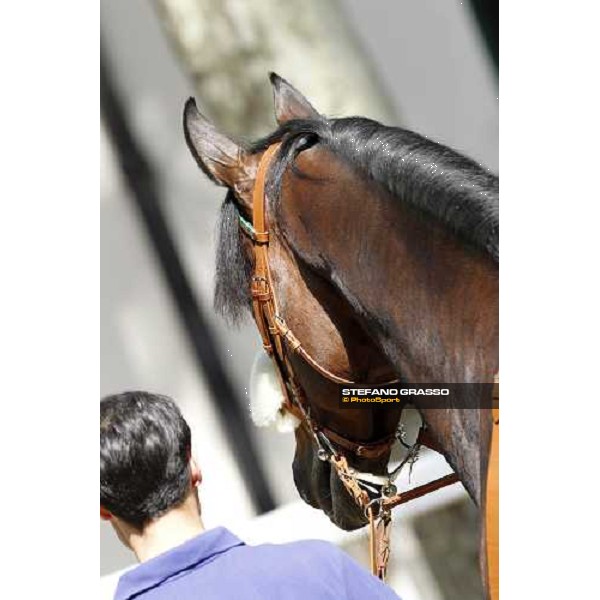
[321, 320]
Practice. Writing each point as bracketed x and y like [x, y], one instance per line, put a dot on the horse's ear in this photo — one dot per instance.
[224, 161]
[289, 102]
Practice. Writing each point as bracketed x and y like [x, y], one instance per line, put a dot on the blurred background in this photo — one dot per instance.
[430, 66]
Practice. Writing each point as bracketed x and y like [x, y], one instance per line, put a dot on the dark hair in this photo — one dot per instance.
[144, 456]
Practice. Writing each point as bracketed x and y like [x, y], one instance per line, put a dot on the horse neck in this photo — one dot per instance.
[464, 437]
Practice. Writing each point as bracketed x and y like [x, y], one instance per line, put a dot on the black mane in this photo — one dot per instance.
[429, 176]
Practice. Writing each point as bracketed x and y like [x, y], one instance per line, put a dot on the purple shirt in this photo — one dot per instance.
[218, 565]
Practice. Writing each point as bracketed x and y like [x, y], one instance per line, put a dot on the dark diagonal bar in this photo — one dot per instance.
[486, 13]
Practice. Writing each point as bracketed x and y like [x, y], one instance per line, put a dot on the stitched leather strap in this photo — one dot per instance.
[371, 450]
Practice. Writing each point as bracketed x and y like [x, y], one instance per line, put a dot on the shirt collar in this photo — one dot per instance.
[155, 571]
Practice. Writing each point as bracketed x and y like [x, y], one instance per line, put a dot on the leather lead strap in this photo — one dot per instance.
[383, 526]
[372, 542]
[421, 490]
[379, 542]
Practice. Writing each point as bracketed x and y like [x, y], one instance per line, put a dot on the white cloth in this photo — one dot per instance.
[266, 397]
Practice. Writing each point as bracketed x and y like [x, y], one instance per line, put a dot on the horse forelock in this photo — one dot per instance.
[233, 267]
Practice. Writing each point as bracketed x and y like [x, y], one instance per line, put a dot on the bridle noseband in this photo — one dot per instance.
[374, 494]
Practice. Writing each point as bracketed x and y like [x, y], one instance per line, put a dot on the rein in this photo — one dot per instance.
[376, 495]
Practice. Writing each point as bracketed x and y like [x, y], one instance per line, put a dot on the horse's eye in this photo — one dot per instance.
[306, 142]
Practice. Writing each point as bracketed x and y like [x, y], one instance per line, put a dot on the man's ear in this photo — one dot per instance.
[224, 161]
[105, 515]
[195, 473]
[289, 102]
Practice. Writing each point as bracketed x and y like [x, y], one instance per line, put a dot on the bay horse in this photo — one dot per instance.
[383, 255]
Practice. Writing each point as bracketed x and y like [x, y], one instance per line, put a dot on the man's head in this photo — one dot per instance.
[146, 470]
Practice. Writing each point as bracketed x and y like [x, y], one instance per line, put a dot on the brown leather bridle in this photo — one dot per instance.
[279, 340]
[376, 495]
